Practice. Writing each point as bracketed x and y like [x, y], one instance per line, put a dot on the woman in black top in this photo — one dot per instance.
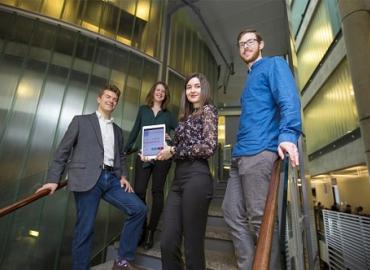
[153, 113]
[192, 188]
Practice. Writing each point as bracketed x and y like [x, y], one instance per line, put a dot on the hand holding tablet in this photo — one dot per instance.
[153, 140]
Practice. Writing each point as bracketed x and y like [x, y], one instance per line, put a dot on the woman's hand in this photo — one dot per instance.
[144, 159]
[165, 153]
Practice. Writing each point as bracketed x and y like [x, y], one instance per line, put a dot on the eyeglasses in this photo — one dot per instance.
[248, 43]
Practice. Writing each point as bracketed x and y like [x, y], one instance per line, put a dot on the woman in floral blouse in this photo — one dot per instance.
[192, 188]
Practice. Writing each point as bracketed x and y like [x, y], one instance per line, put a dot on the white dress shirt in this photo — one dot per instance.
[106, 128]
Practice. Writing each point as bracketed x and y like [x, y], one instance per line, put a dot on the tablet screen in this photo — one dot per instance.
[152, 140]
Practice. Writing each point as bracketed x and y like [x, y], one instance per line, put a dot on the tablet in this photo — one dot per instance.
[153, 138]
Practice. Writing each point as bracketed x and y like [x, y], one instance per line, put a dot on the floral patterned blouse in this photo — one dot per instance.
[196, 137]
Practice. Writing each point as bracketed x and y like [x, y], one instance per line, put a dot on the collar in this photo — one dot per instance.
[100, 116]
[255, 64]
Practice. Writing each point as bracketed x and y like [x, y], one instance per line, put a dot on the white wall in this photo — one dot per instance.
[352, 190]
[355, 191]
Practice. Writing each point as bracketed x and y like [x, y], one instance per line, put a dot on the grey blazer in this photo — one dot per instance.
[81, 151]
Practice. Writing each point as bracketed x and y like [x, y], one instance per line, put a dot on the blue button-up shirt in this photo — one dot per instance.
[270, 108]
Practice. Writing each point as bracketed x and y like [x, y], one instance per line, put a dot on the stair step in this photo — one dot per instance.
[218, 249]
[216, 221]
[217, 232]
[215, 260]
[215, 210]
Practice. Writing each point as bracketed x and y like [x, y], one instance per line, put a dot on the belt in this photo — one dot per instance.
[107, 168]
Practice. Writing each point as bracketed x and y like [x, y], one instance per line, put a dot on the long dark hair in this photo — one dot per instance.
[186, 107]
[149, 100]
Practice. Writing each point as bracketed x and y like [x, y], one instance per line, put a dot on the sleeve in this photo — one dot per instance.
[286, 96]
[210, 133]
[63, 152]
[135, 131]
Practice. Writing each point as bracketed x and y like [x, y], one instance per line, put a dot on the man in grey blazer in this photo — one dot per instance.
[92, 150]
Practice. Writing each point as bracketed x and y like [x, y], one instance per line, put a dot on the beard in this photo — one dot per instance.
[252, 57]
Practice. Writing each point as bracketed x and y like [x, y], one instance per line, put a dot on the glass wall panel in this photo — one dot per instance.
[135, 23]
[318, 37]
[46, 120]
[176, 85]
[73, 10]
[176, 47]
[10, 67]
[15, 137]
[332, 112]
[332, 7]
[9, 2]
[152, 33]
[92, 14]
[118, 77]
[297, 10]
[33, 5]
[188, 52]
[109, 21]
[150, 75]
[52, 8]
[132, 92]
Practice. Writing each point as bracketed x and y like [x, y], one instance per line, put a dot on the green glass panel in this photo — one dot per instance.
[332, 112]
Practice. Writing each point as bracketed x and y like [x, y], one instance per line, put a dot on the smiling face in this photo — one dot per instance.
[250, 48]
[159, 93]
[193, 92]
[107, 102]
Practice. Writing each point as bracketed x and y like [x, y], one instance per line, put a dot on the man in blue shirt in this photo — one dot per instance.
[270, 124]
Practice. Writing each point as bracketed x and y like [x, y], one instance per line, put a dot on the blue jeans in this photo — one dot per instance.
[109, 188]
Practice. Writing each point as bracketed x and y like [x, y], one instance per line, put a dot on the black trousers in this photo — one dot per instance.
[185, 216]
[158, 170]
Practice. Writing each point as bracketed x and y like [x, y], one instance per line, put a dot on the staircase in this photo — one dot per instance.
[219, 249]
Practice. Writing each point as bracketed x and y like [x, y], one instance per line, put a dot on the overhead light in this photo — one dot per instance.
[34, 233]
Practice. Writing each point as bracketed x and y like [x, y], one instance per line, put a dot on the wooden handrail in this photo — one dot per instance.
[262, 257]
[12, 207]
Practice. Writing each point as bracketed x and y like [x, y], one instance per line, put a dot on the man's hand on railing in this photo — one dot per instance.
[50, 186]
[292, 150]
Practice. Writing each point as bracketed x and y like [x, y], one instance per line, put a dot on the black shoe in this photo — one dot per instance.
[148, 244]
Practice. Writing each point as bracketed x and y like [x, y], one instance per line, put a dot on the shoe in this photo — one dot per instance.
[148, 244]
[125, 265]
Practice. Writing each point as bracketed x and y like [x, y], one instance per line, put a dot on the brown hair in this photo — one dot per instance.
[112, 88]
[149, 100]
[258, 35]
[186, 107]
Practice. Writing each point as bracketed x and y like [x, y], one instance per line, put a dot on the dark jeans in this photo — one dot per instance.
[186, 216]
[109, 189]
[158, 170]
